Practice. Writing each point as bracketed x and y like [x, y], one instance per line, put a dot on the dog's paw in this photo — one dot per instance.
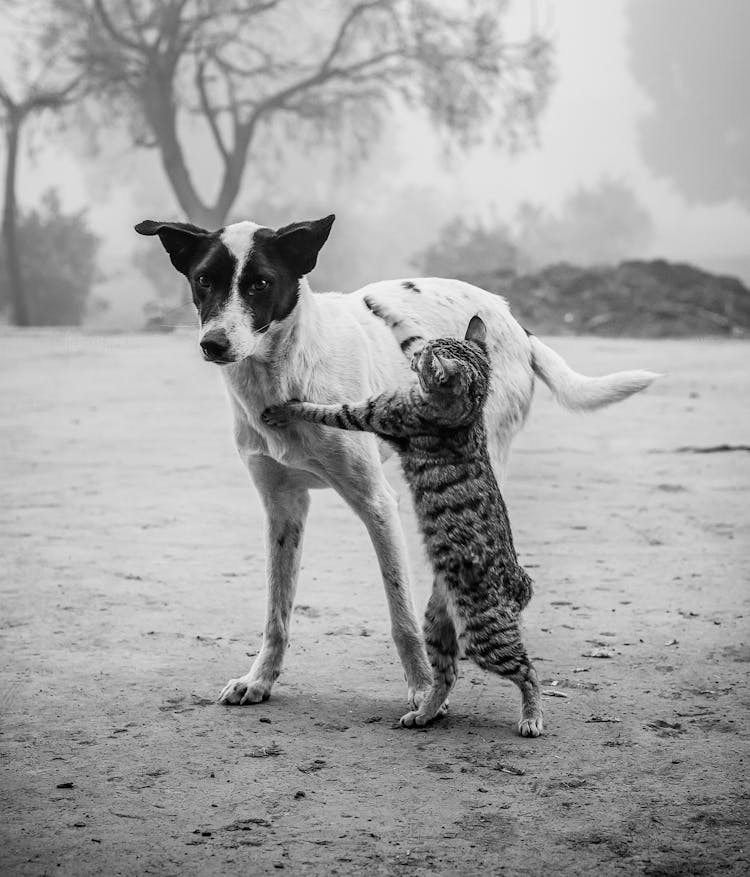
[276, 415]
[413, 719]
[417, 697]
[532, 727]
[418, 719]
[243, 690]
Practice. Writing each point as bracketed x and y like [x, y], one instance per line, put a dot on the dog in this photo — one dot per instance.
[275, 340]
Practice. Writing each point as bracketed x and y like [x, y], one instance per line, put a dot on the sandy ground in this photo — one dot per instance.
[132, 589]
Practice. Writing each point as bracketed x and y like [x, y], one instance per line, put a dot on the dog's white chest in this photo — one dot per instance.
[290, 447]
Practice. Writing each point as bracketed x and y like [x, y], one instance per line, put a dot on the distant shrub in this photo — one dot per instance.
[58, 264]
[465, 248]
[596, 225]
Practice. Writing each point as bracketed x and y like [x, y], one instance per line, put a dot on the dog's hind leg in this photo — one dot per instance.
[374, 501]
[286, 506]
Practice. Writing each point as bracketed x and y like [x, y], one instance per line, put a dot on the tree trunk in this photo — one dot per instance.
[211, 218]
[161, 113]
[205, 215]
[162, 117]
[20, 309]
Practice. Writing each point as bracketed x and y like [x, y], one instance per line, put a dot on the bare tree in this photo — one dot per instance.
[248, 69]
[38, 88]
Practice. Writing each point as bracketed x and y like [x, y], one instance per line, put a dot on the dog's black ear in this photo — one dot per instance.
[179, 239]
[300, 243]
[476, 330]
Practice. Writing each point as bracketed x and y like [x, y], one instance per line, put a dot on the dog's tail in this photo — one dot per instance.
[578, 392]
[407, 334]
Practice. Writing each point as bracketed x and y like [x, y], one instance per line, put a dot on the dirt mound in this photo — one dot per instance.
[649, 299]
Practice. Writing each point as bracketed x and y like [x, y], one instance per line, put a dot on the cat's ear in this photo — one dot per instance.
[476, 330]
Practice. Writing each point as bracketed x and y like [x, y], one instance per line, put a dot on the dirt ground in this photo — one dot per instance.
[132, 589]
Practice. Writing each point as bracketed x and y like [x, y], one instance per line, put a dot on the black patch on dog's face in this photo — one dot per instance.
[408, 284]
[201, 257]
[268, 285]
[267, 289]
[210, 276]
[269, 282]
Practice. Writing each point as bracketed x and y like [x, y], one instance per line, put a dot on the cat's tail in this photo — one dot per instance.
[578, 392]
[406, 332]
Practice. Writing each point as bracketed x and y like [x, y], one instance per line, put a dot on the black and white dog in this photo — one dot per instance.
[277, 340]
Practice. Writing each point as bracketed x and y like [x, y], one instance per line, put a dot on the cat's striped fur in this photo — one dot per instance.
[438, 429]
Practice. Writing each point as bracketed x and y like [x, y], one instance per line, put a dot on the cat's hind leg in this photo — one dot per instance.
[531, 723]
[495, 644]
[442, 649]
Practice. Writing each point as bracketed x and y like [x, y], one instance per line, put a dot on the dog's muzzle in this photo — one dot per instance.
[215, 346]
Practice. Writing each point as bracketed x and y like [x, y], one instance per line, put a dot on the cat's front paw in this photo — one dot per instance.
[276, 415]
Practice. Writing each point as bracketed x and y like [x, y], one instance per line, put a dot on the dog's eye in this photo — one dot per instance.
[260, 284]
[204, 281]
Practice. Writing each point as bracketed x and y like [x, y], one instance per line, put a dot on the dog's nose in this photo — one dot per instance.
[215, 345]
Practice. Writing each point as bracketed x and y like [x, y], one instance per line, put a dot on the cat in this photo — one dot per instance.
[437, 427]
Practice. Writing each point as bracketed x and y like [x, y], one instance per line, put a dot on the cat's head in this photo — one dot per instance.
[449, 367]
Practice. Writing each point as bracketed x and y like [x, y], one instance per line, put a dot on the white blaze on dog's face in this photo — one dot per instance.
[244, 277]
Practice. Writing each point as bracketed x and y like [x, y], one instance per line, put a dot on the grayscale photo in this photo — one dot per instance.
[374, 437]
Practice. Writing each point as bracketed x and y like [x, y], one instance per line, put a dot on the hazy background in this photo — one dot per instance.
[610, 128]
[584, 158]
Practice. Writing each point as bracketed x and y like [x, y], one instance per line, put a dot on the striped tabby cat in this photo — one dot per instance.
[437, 427]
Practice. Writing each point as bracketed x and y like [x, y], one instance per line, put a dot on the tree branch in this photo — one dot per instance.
[348, 21]
[6, 100]
[240, 62]
[208, 111]
[35, 99]
[113, 32]
[322, 75]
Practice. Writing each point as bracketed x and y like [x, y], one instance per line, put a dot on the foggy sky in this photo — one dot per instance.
[588, 130]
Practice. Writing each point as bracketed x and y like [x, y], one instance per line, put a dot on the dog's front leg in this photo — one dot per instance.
[359, 479]
[286, 506]
[380, 516]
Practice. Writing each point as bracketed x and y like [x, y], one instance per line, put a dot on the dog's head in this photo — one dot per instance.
[243, 277]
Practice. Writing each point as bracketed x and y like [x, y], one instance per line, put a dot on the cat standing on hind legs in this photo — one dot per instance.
[479, 588]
